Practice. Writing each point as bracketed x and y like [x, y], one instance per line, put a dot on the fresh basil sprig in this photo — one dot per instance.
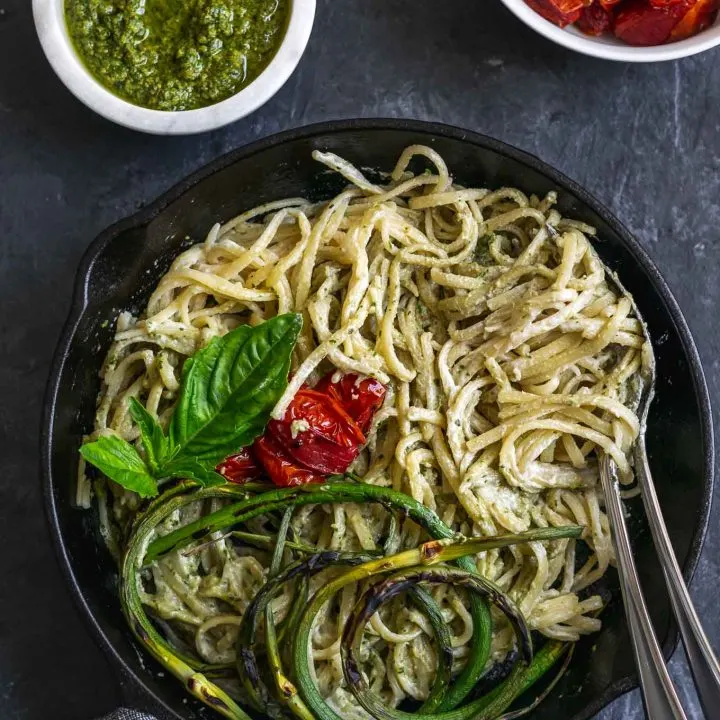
[227, 392]
[121, 462]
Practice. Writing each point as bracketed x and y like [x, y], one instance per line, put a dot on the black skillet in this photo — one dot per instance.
[126, 261]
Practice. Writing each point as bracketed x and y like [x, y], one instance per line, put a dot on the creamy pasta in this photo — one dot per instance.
[507, 356]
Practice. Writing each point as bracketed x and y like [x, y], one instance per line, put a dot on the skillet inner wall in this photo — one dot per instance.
[131, 264]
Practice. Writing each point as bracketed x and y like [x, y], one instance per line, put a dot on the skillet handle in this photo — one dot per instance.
[105, 271]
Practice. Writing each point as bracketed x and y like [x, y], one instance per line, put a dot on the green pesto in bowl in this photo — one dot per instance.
[176, 54]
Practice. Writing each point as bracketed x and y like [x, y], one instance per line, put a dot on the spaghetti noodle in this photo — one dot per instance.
[507, 356]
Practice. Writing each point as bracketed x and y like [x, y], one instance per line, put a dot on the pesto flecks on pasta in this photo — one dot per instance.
[505, 359]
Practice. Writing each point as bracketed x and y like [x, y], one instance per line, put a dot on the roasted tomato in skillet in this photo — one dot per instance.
[360, 397]
[241, 467]
[282, 469]
[317, 432]
[321, 433]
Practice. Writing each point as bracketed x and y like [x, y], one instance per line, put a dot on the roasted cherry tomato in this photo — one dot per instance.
[317, 432]
[700, 16]
[594, 20]
[361, 397]
[569, 6]
[639, 23]
[240, 468]
[550, 12]
[321, 433]
[282, 469]
[667, 3]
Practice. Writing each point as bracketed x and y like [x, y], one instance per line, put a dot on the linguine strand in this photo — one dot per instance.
[506, 354]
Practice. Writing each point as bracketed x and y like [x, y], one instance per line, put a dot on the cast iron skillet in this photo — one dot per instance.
[121, 267]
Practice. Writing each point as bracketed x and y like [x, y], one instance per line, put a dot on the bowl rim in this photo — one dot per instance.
[79, 305]
[49, 16]
[586, 45]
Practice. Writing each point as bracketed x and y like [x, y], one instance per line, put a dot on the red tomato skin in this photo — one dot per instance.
[568, 6]
[330, 439]
[551, 13]
[594, 20]
[360, 397]
[698, 18]
[331, 421]
[328, 444]
[668, 3]
[282, 469]
[639, 23]
[240, 468]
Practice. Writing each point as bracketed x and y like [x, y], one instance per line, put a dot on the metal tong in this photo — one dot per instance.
[659, 695]
[661, 699]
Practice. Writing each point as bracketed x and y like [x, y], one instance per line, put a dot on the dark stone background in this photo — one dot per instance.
[642, 138]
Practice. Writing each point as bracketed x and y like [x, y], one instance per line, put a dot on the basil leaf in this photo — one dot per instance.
[154, 441]
[229, 389]
[192, 469]
[120, 461]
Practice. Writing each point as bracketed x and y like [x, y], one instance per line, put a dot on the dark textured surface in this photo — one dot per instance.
[644, 139]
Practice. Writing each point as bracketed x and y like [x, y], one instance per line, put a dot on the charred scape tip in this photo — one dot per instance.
[430, 550]
[212, 700]
[141, 632]
[352, 672]
[247, 658]
[287, 688]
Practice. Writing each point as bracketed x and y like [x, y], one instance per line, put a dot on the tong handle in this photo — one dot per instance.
[659, 695]
[701, 659]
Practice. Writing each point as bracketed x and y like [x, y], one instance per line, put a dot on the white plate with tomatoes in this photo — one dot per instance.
[625, 30]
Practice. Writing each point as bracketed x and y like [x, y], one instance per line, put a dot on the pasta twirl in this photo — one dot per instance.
[507, 357]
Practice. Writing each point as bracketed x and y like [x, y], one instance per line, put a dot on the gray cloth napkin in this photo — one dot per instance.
[125, 714]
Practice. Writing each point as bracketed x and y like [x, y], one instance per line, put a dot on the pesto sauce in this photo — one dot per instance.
[176, 54]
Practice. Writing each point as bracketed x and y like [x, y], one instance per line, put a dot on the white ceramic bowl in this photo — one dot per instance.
[611, 48]
[58, 48]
